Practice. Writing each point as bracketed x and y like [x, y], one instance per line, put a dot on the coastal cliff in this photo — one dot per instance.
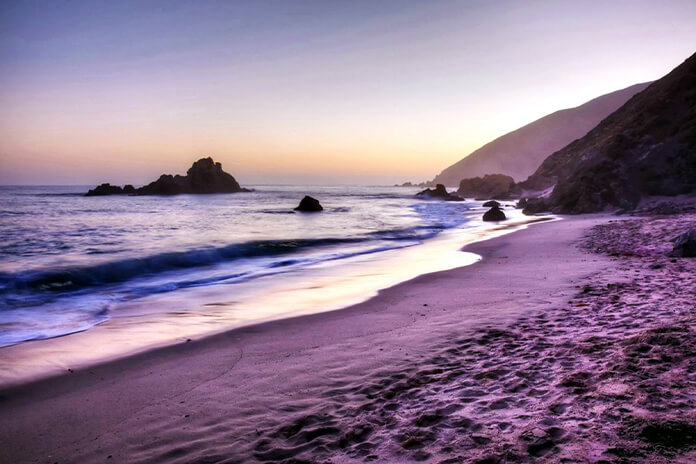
[519, 153]
[647, 147]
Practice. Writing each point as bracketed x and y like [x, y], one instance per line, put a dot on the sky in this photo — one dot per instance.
[349, 92]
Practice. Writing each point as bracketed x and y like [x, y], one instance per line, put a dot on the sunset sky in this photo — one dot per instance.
[305, 91]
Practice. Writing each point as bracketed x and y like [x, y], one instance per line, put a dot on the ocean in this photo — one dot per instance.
[156, 269]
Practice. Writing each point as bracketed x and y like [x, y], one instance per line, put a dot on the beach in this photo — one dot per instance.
[557, 346]
[348, 232]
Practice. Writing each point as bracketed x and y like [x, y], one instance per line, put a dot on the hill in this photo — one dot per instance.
[646, 147]
[520, 152]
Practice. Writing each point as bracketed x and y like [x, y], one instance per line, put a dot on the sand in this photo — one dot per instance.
[570, 341]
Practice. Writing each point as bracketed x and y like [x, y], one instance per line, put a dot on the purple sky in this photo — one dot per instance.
[320, 92]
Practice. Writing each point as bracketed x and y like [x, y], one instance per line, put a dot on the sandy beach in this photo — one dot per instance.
[570, 341]
[315, 232]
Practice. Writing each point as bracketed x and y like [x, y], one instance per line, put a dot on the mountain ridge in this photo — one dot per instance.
[538, 139]
[646, 147]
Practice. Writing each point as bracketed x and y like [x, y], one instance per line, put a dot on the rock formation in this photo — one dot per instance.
[309, 205]
[106, 189]
[204, 176]
[438, 193]
[494, 214]
[497, 186]
[534, 205]
[685, 245]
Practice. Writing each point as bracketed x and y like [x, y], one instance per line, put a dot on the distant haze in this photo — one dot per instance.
[305, 92]
[520, 152]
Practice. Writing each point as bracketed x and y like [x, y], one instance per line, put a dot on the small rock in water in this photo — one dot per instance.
[309, 205]
[491, 203]
[494, 214]
[685, 245]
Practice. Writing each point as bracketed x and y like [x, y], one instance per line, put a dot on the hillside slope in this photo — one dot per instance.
[520, 152]
[646, 147]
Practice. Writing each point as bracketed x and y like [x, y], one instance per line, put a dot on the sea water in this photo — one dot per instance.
[153, 269]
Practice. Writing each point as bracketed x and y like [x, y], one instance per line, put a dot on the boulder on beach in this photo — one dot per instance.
[534, 205]
[494, 214]
[309, 205]
[438, 193]
[204, 176]
[491, 203]
[685, 245]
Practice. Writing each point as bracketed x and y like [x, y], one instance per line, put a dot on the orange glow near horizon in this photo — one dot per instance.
[346, 94]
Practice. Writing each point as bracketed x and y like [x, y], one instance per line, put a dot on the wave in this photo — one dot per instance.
[112, 272]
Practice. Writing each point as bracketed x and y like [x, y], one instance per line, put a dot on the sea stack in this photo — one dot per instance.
[438, 193]
[203, 177]
[106, 189]
[309, 205]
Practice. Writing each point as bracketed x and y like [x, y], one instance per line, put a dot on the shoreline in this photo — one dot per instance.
[280, 359]
[44, 359]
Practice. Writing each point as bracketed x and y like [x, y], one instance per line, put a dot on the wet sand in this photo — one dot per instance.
[570, 341]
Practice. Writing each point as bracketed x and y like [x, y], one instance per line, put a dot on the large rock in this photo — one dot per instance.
[165, 185]
[204, 176]
[534, 205]
[106, 189]
[497, 186]
[685, 245]
[494, 214]
[438, 193]
[309, 205]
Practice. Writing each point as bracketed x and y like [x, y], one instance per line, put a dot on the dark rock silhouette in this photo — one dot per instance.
[438, 193]
[520, 152]
[491, 203]
[494, 214]
[107, 189]
[497, 186]
[309, 205]
[203, 177]
[647, 147]
[534, 205]
[685, 245]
